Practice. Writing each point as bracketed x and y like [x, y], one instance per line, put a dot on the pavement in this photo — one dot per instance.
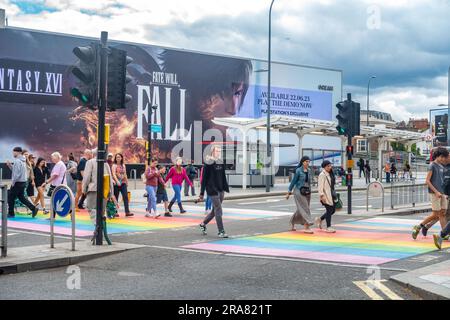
[432, 282]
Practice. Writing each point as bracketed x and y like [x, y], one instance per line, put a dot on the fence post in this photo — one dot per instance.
[4, 191]
[413, 193]
[392, 194]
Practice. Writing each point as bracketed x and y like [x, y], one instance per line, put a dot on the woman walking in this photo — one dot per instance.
[40, 175]
[29, 161]
[215, 183]
[178, 174]
[327, 194]
[120, 181]
[301, 188]
[153, 176]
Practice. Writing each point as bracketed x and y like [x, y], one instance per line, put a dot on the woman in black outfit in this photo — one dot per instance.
[41, 172]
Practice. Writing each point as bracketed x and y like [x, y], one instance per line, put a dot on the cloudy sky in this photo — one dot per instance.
[405, 43]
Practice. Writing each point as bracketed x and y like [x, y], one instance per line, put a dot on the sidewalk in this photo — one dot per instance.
[432, 282]
[24, 259]
[280, 189]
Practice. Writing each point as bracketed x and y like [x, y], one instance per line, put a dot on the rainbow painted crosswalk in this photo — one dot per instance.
[139, 223]
[367, 242]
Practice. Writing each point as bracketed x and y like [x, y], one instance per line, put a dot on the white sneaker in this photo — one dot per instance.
[148, 215]
[330, 230]
[157, 215]
[308, 231]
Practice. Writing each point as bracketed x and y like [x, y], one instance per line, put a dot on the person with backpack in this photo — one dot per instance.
[327, 194]
[301, 188]
[436, 188]
[192, 175]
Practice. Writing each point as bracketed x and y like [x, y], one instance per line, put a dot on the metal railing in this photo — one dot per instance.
[1, 175]
[4, 208]
[408, 194]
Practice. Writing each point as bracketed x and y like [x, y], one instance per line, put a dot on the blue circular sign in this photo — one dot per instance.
[62, 202]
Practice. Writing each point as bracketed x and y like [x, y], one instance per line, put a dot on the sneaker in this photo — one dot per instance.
[308, 231]
[35, 212]
[319, 223]
[447, 238]
[203, 229]
[223, 235]
[167, 214]
[129, 214]
[148, 215]
[47, 211]
[156, 216]
[330, 230]
[424, 231]
[438, 241]
[415, 233]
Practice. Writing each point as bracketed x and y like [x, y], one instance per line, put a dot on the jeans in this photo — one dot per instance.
[186, 188]
[388, 177]
[151, 191]
[216, 211]
[208, 203]
[124, 192]
[328, 214]
[18, 191]
[177, 196]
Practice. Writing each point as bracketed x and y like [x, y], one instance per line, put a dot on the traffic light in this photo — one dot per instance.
[350, 150]
[86, 71]
[344, 117]
[349, 118]
[118, 79]
[349, 179]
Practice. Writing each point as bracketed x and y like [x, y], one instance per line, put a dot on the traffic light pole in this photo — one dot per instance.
[101, 151]
[349, 173]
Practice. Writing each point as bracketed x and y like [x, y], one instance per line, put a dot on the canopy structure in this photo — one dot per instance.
[303, 126]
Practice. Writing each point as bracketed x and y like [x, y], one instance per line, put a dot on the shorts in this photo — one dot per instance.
[30, 190]
[438, 204]
[162, 197]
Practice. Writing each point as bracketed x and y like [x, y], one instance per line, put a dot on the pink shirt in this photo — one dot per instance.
[177, 178]
[59, 170]
[153, 177]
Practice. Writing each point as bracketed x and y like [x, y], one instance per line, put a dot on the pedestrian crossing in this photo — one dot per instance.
[138, 223]
[366, 242]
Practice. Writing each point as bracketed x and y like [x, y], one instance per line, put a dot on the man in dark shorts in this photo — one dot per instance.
[161, 193]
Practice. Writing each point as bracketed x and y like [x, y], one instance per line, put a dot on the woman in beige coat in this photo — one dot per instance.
[326, 190]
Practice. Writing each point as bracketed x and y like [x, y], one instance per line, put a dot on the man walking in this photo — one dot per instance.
[18, 184]
[361, 166]
[79, 198]
[214, 182]
[192, 174]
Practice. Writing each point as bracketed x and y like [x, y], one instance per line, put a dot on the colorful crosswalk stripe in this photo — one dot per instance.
[367, 242]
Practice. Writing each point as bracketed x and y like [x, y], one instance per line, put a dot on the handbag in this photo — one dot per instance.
[305, 191]
[50, 191]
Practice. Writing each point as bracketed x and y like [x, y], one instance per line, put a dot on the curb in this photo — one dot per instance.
[49, 263]
[424, 294]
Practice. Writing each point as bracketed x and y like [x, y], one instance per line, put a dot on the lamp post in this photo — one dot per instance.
[368, 94]
[149, 132]
[269, 149]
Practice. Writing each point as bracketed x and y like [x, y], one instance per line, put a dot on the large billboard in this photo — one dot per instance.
[439, 126]
[190, 89]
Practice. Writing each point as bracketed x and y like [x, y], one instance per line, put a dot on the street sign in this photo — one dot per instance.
[62, 201]
[156, 128]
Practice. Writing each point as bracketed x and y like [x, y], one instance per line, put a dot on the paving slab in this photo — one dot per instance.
[432, 282]
[33, 258]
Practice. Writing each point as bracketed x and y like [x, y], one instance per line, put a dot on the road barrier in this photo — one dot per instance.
[375, 189]
[4, 208]
[408, 194]
[62, 203]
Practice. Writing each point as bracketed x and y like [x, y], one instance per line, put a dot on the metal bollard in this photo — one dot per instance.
[4, 201]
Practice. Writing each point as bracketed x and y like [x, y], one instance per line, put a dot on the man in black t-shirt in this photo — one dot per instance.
[79, 198]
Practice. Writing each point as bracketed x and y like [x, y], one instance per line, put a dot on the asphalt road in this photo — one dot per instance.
[163, 270]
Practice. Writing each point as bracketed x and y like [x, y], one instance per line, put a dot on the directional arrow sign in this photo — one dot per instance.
[62, 201]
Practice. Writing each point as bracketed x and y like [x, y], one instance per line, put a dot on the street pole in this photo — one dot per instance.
[149, 133]
[269, 148]
[102, 104]
[349, 166]
[448, 112]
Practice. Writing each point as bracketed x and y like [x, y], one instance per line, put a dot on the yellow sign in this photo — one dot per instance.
[107, 132]
[350, 163]
[106, 187]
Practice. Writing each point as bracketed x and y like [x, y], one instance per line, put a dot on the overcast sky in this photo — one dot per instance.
[405, 43]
